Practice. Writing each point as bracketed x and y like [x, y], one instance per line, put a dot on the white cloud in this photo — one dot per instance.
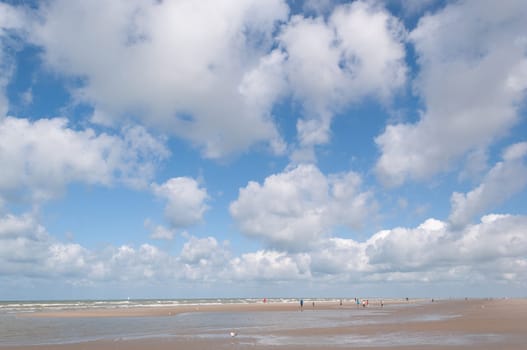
[145, 264]
[505, 179]
[23, 244]
[497, 236]
[296, 208]
[414, 249]
[159, 231]
[475, 165]
[473, 75]
[117, 49]
[270, 265]
[347, 205]
[38, 159]
[197, 250]
[176, 65]
[515, 152]
[336, 62]
[67, 258]
[203, 259]
[186, 200]
[338, 256]
[263, 86]
[11, 18]
[489, 253]
[27, 250]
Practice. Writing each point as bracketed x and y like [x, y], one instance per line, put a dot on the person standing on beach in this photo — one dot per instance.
[301, 304]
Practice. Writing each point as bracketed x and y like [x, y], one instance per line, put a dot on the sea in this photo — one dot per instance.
[18, 328]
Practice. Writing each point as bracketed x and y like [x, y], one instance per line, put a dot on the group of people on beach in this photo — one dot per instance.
[365, 302]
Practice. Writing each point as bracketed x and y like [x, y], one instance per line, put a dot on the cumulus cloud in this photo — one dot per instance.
[28, 250]
[491, 251]
[186, 200]
[404, 249]
[203, 258]
[38, 159]
[338, 257]
[505, 179]
[263, 86]
[270, 265]
[323, 64]
[192, 57]
[159, 231]
[475, 165]
[147, 262]
[473, 61]
[296, 208]
[65, 259]
[331, 63]
[23, 245]
[488, 251]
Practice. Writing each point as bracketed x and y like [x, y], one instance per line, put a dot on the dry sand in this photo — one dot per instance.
[504, 319]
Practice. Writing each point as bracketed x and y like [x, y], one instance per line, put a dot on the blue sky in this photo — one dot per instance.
[262, 148]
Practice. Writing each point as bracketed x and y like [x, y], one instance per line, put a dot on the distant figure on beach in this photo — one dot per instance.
[382, 303]
[313, 304]
[357, 301]
[265, 300]
[364, 303]
[406, 298]
[301, 304]
[340, 302]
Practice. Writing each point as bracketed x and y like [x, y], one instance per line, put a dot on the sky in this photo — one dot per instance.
[263, 148]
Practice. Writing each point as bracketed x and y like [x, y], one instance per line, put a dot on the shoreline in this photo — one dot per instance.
[172, 310]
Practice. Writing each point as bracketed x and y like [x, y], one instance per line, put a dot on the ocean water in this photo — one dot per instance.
[253, 328]
[58, 305]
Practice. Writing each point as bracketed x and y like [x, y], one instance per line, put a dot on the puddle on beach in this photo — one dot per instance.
[260, 330]
[384, 340]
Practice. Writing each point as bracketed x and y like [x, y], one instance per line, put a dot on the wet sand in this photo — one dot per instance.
[473, 324]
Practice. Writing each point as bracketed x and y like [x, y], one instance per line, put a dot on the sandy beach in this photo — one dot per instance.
[452, 324]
